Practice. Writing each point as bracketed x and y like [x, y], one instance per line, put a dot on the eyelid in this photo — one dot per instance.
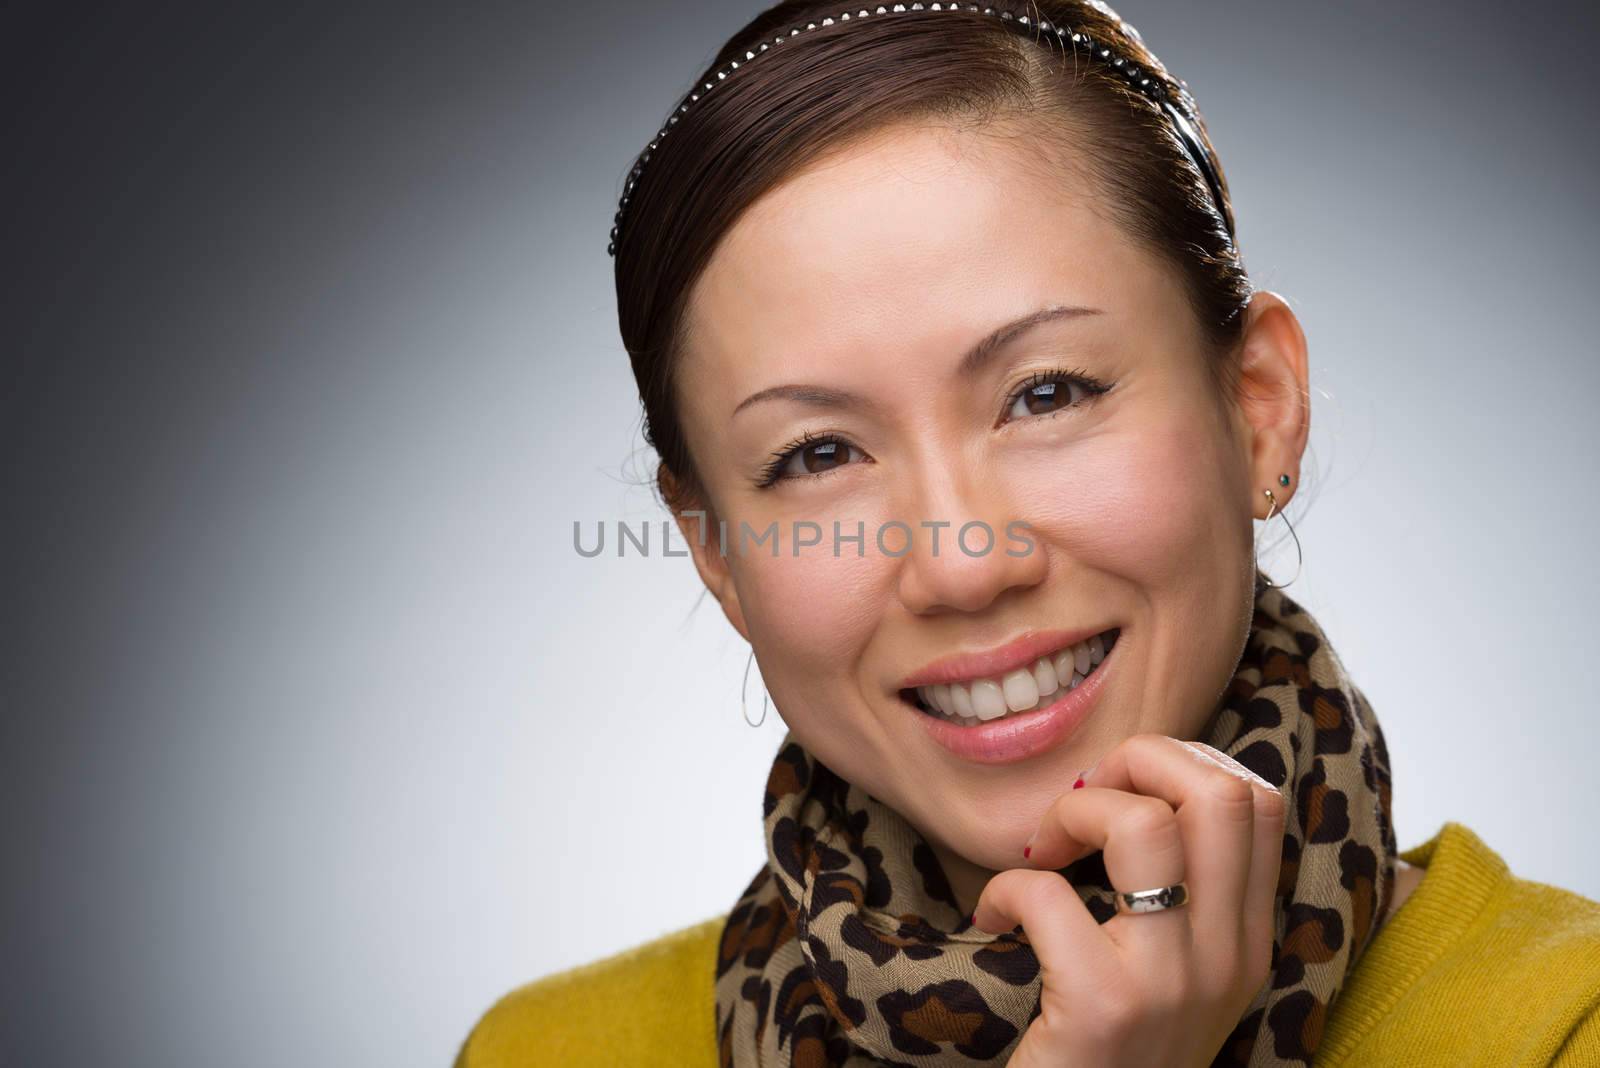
[771, 471]
[1091, 386]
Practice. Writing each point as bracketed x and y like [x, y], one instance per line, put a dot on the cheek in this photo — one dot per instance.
[1151, 504]
[812, 616]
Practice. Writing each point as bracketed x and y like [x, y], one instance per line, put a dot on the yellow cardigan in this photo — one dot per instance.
[1477, 967]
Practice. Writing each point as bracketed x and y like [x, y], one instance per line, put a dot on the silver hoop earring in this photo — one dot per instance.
[744, 708]
[1272, 504]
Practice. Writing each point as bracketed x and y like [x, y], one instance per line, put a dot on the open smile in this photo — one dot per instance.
[972, 701]
[1030, 708]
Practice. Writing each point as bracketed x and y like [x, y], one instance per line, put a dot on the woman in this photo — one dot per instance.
[965, 405]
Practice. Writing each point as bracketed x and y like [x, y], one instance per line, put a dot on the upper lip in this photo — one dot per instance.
[1018, 653]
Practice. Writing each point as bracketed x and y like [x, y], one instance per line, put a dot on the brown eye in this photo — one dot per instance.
[1041, 399]
[1051, 392]
[823, 456]
[809, 456]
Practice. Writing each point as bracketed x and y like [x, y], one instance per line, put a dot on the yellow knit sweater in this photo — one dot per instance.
[1477, 967]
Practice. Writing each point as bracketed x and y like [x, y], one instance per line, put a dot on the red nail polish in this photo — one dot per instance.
[1077, 783]
[1027, 851]
[973, 919]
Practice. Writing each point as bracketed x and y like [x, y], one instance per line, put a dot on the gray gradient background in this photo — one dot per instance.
[317, 734]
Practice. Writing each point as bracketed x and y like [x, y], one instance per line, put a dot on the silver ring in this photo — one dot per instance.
[1162, 897]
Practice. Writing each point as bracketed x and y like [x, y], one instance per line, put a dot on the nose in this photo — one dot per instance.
[970, 546]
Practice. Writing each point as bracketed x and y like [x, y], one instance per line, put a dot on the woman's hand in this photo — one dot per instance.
[1148, 988]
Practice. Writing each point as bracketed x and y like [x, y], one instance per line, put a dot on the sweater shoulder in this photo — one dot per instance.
[1478, 966]
[654, 1003]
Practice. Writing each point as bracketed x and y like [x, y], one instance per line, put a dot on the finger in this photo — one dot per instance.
[1215, 809]
[1063, 933]
[1266, 861]
[1143, 848]
[1266, 856]
[1139, 835]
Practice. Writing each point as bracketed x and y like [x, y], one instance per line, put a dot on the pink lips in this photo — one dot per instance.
[1021, 735]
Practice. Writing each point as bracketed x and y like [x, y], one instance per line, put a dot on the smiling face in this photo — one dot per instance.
[868, 281]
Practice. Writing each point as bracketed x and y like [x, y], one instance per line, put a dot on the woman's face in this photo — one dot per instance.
[861, 287]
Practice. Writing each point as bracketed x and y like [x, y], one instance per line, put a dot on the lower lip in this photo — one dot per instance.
[1019, 736]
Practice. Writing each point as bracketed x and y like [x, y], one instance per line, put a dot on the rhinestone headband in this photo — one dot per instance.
[1137, 79]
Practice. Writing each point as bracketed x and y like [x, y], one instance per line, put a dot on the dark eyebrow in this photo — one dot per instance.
[979, 354]
[971, 363]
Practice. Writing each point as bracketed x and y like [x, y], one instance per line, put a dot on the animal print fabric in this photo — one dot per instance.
[848, 947]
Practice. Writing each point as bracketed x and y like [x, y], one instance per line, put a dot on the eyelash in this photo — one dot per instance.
[771, 471]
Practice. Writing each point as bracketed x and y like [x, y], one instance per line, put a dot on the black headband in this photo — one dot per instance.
[1178, 114]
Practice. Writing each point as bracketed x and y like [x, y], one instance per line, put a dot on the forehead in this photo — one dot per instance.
[925, 234]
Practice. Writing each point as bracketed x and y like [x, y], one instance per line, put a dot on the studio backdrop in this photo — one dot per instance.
[318, 734]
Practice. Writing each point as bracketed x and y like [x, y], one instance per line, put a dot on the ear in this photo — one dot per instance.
[1274, 401]
[699, 527]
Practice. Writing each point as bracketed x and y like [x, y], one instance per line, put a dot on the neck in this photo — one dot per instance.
[967, 879]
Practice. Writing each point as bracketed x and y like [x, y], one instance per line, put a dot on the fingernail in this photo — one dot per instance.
[1084, 774]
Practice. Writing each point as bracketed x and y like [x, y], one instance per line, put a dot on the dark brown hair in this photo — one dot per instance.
[835, 85]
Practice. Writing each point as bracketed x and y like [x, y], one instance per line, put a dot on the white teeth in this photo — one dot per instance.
[1020, 690]
[988, 700]
[1017, 691]
[1065, 664]
[1044, 676]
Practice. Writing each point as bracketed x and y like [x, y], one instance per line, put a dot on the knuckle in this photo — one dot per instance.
[1231, 792]
[1000, 891]
[1062, 800]
[1148, 817]
[1036, 892]
[1056, 813]
[1271, 805]
[1222, 758]
[1233, 764]
[1147, 742]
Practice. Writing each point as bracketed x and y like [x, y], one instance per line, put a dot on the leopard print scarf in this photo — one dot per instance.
[848, 947]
